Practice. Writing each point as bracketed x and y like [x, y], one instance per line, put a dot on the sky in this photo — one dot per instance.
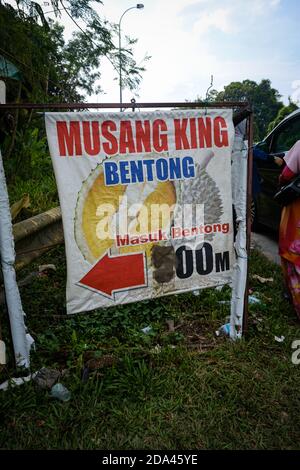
[190, 40]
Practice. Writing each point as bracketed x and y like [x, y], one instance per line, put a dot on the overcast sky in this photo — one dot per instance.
[190, 40]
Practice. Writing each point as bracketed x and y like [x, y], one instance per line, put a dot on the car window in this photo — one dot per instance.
[286, 136]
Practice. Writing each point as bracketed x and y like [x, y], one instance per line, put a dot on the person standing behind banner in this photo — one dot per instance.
[259, 154]
[289, 231]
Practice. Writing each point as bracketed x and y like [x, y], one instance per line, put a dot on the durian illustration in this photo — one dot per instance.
[94, 194]
[202, 189]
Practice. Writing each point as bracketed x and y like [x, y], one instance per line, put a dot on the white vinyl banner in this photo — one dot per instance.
[146, 202]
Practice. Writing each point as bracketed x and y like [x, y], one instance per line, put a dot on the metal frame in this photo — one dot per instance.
[133, 104]
[245, 112]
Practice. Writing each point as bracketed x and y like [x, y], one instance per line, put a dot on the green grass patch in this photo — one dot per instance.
[42, 192]
[162, 390]
[29, 171]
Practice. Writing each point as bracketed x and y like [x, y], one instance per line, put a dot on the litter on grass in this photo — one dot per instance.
[16, 381]
[261, 279]
[253, 300]
[60, 392]
[224, 330]
[147, 329]
[46, 378]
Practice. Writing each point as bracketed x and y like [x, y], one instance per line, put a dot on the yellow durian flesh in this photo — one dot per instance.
[163, 196]
[99, 194]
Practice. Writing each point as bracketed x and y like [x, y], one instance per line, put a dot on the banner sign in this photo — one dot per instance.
[146, 202]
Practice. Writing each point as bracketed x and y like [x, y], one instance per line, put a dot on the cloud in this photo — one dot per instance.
[275, 3]
[220, 19]
[263, 7]
[190, 40]
[228, 16]
[256, 8]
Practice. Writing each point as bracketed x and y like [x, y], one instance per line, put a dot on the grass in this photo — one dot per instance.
[42, 192]
[29, 171]
[185, 389]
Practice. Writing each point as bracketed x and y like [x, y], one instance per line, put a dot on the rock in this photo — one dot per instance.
[46, 378]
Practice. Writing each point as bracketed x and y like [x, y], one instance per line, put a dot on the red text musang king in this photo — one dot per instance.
[77, 138]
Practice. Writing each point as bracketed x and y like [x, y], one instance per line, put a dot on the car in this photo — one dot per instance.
[265, 210]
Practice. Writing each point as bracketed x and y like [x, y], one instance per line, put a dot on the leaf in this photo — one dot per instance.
[16, 208]
[36, 7]
[261, 279]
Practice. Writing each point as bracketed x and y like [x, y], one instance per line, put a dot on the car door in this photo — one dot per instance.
[278, 142]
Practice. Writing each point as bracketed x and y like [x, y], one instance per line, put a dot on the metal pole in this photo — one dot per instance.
[248, 220]
[79, 106]
[120, 62]
[120, 66]
[21, 339]
[138, 6]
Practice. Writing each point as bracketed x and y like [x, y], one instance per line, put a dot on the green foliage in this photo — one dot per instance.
[166, 392]
[55, 70]
[29, 171]
[282, 113]
[264, 99]
[29, 46]
[52, 70]
[42, 192]
[30, 154]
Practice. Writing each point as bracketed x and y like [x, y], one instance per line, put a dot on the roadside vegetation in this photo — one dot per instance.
[40, 66]
[175, 385]
[43, 67]
[178, 388]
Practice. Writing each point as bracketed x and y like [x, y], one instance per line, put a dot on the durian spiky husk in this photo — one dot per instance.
[200, 190]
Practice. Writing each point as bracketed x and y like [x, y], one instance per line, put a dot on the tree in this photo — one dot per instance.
[282, 113]
[52, 69]
[66, 70]
[264, 99]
